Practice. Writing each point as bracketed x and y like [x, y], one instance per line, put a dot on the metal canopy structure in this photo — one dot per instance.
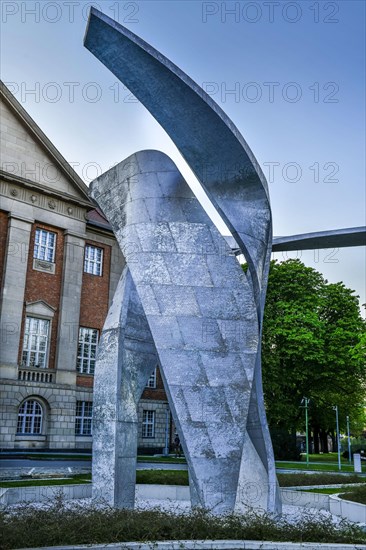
[333, 238]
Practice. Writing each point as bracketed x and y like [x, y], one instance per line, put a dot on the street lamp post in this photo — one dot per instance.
[335, 408]
[166, 448]
[349, 442]
[305, 400]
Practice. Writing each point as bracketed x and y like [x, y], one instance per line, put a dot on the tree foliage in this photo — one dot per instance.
[313, 345]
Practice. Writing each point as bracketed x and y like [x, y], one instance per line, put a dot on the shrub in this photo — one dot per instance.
[61, 523]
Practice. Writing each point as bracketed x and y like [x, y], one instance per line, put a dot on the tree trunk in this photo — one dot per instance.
[316, 439]
[334, 443]
[324, 441]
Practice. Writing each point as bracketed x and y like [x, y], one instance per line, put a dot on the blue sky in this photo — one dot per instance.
[289, 74]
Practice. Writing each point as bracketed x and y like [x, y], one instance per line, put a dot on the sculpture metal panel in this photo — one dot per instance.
[183, 300]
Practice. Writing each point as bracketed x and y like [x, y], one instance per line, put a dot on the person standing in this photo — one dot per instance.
[177, 446]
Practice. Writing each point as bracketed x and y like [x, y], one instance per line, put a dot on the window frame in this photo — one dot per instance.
[146, 424]
[33, 415]
[83, 420]
[151, 382]
[37, 243]
[81, 358]
[28, 336]
[93, 262]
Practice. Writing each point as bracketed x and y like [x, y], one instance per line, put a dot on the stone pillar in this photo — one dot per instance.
[68, 328]
[117, 265]
[12, 298]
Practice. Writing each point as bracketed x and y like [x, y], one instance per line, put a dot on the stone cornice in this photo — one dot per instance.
[27, 192]
[41, 188]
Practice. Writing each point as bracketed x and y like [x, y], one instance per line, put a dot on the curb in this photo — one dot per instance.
[211, 545]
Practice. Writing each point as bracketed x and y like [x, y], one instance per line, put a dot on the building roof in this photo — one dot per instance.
[96, 217]
[44, 142]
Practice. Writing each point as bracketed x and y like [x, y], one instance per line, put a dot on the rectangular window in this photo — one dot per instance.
[44, 245]
[151, 383]
[87, 350]
[93, 260]
[148, 423]
[83, 417]
[35, 344]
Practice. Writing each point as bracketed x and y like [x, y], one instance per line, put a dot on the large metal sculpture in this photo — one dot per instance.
[183, 301]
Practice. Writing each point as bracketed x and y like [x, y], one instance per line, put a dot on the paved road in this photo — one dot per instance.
[12, 469]
[27, 463]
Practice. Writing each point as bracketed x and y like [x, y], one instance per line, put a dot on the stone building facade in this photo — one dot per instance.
[59, 267]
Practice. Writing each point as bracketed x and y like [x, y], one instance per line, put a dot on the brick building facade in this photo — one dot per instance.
[59, 267]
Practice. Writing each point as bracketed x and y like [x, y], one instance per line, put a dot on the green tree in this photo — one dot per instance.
[313, 345]
[344, 373]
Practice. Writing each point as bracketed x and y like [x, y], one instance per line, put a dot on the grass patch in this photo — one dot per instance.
[326, 466]
[293, 480]
[60, 524]
[159, 477]
[327, 491]
[355, 494]
[162, 459]
[46, 482]
[162, 477]
[180, 477]
[324, 457]
[358, 494]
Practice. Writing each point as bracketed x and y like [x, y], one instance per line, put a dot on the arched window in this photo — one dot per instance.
[30, 417]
